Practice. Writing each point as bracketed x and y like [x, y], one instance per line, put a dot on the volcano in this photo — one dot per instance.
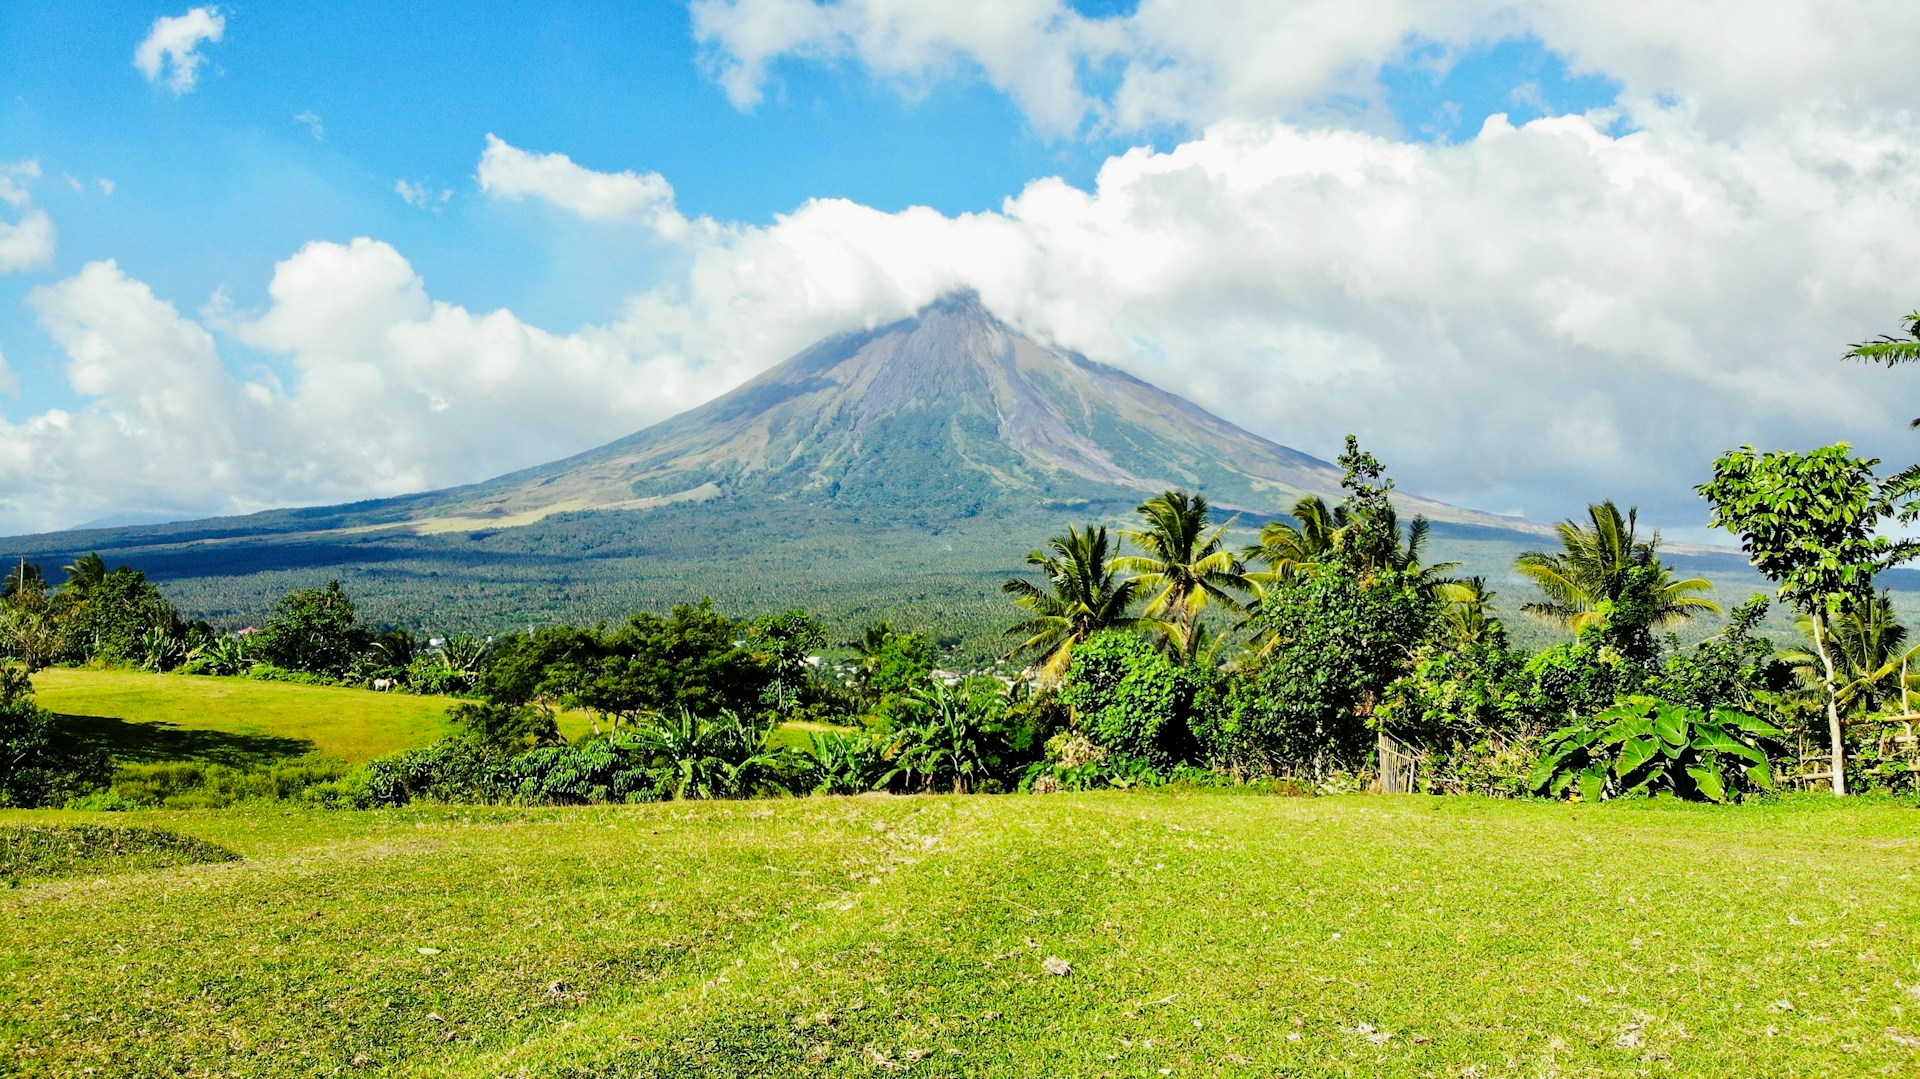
[949, 412]
[901, 472]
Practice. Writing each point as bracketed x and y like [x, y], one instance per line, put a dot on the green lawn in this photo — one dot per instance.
[142, 717]
[1214, 934]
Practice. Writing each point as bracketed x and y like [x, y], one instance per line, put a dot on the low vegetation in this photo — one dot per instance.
[46, 851]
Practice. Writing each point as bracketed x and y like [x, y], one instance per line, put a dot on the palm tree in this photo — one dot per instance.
[85, 574]
[1468, 611]
[1605, 563]
[1186, 567]
[1288, 549]
[1083, 596]
[1891, 351]
[1870, 654]
[1404, 557]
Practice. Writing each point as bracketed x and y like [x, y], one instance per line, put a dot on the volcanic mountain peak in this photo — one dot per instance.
[947, 412]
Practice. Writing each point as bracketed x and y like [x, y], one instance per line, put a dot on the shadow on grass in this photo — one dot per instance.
[149, 743]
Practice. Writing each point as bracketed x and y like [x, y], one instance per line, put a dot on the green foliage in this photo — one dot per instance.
[695, 659]
[1340, 637]
[37, 766]
[1733, 669]
[509, 727]
[851, 763]
[1605, 575]
[1647, 745]
[118, 617]
[1890, 350]
[1580, 677]
[314, 630]
[894, 662]
[1463, 693]
[33, 626]
[781, 645]
[694, 756]
[1084, 595]
[1186, 568]
[461, 768]
[1131, 699]
[1811, 522]
[951, 738]
[589, 772]
[227, 654]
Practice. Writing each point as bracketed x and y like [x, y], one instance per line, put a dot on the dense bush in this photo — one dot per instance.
[314, 630]
[38, 766]
[1131, 699]
[457, 769]
[1341, 637]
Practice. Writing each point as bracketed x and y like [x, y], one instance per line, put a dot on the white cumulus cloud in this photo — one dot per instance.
[384, 391]
[509, 172]
[171, 50]
[27, 241]
[1193, 62]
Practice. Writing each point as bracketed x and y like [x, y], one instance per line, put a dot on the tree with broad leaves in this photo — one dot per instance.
[1811, 523]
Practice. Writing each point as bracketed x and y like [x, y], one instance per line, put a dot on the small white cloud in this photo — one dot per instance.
[421, 195]
[172, 48]
[313, 122]
[511, 173]
[106, 186]
[13, 190]
[29, 241]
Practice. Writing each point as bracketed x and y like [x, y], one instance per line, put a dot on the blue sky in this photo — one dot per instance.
[301, 121]
[214, 186]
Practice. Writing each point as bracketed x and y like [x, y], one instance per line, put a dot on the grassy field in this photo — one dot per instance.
[141, 717]
[1206, 934]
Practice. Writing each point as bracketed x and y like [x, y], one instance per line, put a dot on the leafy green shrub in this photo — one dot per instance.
[1131, 699]
[948, 737]
[223, 656]
[460, 768]
[198, 785]
[38, 767]
[1341, 636]
[583, 773]
[1647, 745]
[44, 851]
[268, 672]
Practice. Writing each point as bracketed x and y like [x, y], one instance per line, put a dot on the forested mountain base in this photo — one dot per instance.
[939, 576]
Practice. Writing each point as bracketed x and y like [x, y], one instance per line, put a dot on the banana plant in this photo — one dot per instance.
[1644, 745]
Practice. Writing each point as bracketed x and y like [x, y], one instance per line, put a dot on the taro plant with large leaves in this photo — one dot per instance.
[1646, 745]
